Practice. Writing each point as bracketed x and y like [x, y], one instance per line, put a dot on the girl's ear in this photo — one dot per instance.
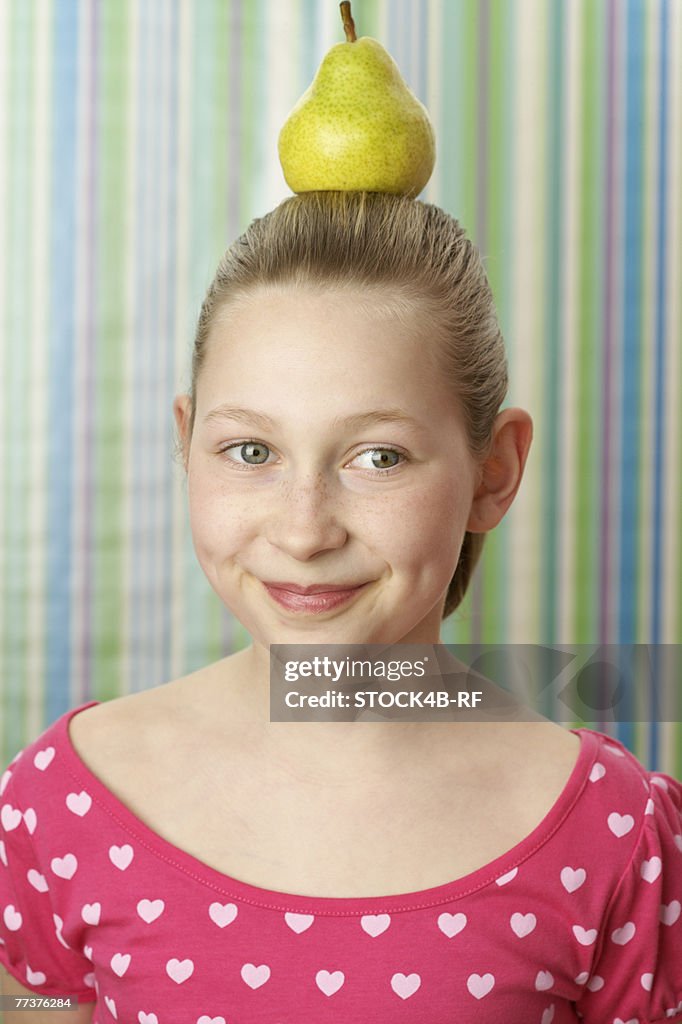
[502, 471]
[182, 409]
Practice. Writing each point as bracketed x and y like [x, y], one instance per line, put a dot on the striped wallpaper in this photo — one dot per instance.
[138, 138]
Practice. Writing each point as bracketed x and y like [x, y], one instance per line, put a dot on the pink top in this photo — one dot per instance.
[580, 920]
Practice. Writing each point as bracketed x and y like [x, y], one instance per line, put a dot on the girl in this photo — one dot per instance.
[175, 856]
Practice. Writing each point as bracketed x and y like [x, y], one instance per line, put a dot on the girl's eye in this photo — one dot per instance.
[383, 460]
[249, 449]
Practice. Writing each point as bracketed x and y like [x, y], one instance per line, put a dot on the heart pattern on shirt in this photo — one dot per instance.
[149, 910]
[255, 976]
[38, 881]
[670, 913]
[79, 803]
[43, 758]
[90, 912]
[120, 962]
[480, 985]
[405, 985]
[621, 936]
[121, 856]
[375, 924]
[451, 924]
[299, 922]
[572, 878]
[584, 936]
[179, 970]
[620, 824]
[10, 817]
[523, 924]
[222, 914]
[651, 869]
[329, 983]
[66, 866]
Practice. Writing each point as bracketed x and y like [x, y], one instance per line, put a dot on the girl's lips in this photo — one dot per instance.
[312, 603]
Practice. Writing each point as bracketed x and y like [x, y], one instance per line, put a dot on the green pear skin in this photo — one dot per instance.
[358, 127]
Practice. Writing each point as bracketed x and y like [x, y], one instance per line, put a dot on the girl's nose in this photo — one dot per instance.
[305, 517]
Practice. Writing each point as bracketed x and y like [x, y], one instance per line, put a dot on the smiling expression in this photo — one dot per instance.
[297, 487]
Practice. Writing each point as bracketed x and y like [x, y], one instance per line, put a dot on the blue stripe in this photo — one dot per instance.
[659, 404]
[62, 332]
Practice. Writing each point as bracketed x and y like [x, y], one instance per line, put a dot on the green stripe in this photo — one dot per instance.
[588, 404]
[109, 376]
[496, 177]
[18, 356]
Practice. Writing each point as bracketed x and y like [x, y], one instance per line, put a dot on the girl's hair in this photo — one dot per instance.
[398, 256]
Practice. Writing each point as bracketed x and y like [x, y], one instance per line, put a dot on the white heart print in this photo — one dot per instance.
[10, 817]
[120, 962]
[523, 924]
[43, 758]
[222, 914]
[620, 824]
[329, 983]
[79, 803]
[651, 869]
[375, 924]
[179, 970]
[572, 878]
[149, 910]
[255, 976]
[35, 977]
[299, 922]
[480, 985]
[121, 856]
[670, 912]
[405, 985]
[584, 936]
[12, 917]
[38, 881]
[451, 924]
[621, 936]
[90, 912]
[30, 819]
[503, 879]
[64, 867]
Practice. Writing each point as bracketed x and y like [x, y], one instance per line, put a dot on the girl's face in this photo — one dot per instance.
[313, 478]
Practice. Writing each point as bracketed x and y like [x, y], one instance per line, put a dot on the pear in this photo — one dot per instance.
[357, 127]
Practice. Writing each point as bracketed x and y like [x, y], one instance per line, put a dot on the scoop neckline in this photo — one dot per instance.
[280, 900]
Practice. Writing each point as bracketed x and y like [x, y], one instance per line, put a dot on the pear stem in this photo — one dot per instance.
[348, 23]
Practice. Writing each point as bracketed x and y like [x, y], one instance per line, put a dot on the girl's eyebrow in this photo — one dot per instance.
[361, 419]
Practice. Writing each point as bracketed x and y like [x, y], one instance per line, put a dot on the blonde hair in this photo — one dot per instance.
[412, 255]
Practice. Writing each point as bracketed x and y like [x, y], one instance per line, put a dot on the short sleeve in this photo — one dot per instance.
[32, 948]
[637, 973]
